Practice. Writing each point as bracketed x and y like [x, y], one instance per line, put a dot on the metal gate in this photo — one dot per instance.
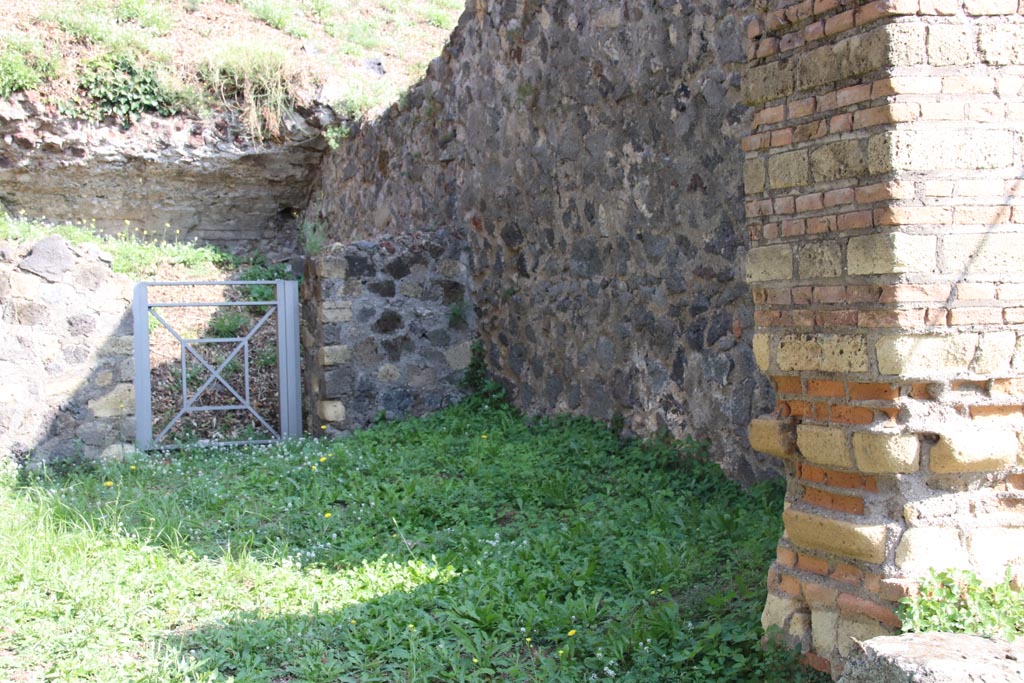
[210, 382]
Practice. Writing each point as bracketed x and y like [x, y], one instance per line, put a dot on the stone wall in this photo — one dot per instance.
[66, 356]
[387, 329]
[590, 151]
[885, 204]
[176, 179]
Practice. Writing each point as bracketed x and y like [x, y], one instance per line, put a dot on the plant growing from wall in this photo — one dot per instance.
[118, 85]
[24, 65]
[957, 601]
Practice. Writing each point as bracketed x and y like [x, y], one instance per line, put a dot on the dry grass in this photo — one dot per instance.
[321, 41]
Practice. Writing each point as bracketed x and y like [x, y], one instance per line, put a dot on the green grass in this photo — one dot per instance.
[471, 545]
[133, 253]
[24, 64]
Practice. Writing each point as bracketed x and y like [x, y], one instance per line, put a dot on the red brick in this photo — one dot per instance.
[854, 415]
[791, 41]
[844, 480]
[771, 231]
[863, 294]
[994, 411]
[810, 131]
[826, 387]
[936, 316]
[873, 391]
[826, 102]
[811, 202]
[847, 573]
[822, 6]
[802, 295]
[852, 605]
[754, 29]
[785, 557]
[833, 294]
[921, 391]
[811, 473]
[1011, 292]
[766, 318]
[913, 215]
[770, 115]
[972, 385]
[840, 197]
[841, 123]
[794, 227]
[752, 143]
[822, 412]
[815, 31]
[982, 215]
[974, 291]
[782, 137]
[784, 205]
[799, 408]
[855, 220]
[788, 385]
[892, 318]
[908, 293]
[766, 47]
[759, 295]
[835, 318]
[801, 108]
[894, 590]
[1003, 388]
[799, 11]
[817, 594]
[1013, 316]
[978, 315]
[891, 414]
[854, 94]
[821, 224]
[838, 23]
[789, 585]
[870, 483]
[810, 563]
[816, 662]
[778, 296]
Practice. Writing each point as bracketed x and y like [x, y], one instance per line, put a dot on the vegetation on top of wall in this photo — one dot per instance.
[470, 545]
[957, 601]
[133, 252]
[118, 58]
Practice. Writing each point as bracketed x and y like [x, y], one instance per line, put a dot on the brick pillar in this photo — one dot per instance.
[885, 205]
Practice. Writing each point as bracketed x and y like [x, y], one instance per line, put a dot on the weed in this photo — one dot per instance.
[24, 64]
[335, 134]
[469, 545]
[456, 316]
[278, 14]
[255, 79]
[228, 323]
[118, 86]
[130, 254]
[314, 237]
[957, 601]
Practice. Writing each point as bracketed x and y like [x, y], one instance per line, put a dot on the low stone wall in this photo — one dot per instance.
[387, 329]
[175, 179]
[66, 356]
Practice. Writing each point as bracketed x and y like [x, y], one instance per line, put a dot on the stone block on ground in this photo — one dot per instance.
[936, 658]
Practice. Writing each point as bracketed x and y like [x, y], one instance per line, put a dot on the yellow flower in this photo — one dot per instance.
[131, 467]
[411, 627]
[323, 426]
[351, 621]
[108, 484]
[475, 660]
[323, 459]
[483, 436]
[529, 639]
[327, 515]
[313, 468]
[572, 632]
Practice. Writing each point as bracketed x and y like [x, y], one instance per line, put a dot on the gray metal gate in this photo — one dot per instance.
[215, 391]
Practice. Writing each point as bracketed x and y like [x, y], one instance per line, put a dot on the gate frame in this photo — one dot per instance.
[286, 304]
